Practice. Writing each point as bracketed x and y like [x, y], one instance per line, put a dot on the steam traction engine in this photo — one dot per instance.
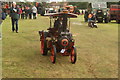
[58, 39]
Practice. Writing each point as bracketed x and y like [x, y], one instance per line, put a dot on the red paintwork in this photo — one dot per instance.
[52, 54]
[114, 9]
[71, 15]
[42, 43]
[63, 41]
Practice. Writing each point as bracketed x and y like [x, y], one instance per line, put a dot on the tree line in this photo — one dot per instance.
[83, 5]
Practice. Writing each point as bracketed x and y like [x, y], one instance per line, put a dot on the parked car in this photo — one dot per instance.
[115, 13]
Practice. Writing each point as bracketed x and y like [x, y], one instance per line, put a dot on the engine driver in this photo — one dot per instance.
[58, 23]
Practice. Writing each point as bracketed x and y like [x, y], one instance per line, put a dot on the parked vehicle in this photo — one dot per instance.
[115, 13]
[100, 10]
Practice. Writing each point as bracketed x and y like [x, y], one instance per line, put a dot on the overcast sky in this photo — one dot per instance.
[56, 0]
[62, 0]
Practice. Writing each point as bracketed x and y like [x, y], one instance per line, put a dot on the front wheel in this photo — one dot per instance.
[106, 20]
[73, 55]
[53, 54]
[118, 21]
[100, 20]
[89, 24]
[95, 26]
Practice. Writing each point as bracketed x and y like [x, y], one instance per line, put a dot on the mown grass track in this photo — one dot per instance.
[97, 50]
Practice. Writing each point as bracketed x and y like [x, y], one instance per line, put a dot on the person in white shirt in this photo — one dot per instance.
[34, 10]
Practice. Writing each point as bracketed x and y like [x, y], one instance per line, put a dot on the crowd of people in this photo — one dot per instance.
[17, 12]
[27, 12]
[24, 12]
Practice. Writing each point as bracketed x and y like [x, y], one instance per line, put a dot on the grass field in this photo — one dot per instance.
[97, 51]
[0, 59]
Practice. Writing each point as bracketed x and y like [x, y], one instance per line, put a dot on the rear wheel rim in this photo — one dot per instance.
[52, 57]
[42, 46]
[72, 56]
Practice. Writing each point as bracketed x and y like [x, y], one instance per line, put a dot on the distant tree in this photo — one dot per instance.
[80, 5]
[25, 3]
[110, 3]
[83, 5]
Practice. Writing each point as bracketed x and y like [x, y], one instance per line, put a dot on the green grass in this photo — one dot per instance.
[97, 51]
[0, 59]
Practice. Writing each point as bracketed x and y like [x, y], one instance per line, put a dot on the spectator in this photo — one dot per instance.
[34, 10]
[4, 9]
[86, 16]
[20, 10]
[26, 12]
[14, 14]
[6, 6]
[46, 11]
[43, 11]
[23, 13]
[39, 10]
[76, 11]
[60, 9]
[30, 12]
[82, 12]
[9, 8]
[4, 14]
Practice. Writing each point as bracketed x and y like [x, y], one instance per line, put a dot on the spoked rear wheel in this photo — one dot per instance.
[44, 49]
[53, 54]
[95, 26]
[73, 55]
[89, 24]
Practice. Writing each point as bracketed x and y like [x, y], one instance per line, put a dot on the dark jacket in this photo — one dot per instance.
[26, 11]
[76, 11]
[93, 17]
[30, 11]
[57, 24]
[14, 13]
[23, 11]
